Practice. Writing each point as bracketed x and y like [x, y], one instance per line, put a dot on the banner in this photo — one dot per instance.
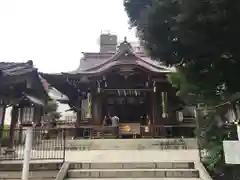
[238, 132]
[231, 152]
[89, 112]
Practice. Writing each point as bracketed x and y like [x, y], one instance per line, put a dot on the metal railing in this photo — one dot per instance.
[50, 143]
[149, 131]
[47, 144]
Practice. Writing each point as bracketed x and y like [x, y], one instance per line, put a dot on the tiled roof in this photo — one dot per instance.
[14, 69]
[93, 63]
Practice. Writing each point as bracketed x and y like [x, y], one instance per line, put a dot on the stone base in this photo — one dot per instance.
[133, 170]
[132, 144]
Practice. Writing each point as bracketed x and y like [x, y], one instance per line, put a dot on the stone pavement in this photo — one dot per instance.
[131, 179]
[117, 156]
[133, 156]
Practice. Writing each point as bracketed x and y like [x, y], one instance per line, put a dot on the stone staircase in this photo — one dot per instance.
[131, 144]
[161, 170]
[33, 175]
[38, 171]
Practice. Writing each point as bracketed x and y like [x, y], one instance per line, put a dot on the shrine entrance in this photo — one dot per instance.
[128, 105]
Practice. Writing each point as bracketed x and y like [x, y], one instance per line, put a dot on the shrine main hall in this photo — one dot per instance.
[121, 80]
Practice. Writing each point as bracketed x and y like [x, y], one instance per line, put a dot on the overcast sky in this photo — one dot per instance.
[53, 33]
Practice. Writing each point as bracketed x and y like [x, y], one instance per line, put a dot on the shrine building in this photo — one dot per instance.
[121, 80]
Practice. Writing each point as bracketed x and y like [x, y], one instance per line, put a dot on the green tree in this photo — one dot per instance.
[51, 111]
[201, 36]
[201, 39]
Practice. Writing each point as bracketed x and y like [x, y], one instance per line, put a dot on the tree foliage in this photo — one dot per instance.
[201, 39]
[51, 111]
[201, 36]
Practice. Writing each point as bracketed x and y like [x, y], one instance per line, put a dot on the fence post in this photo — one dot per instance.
[27, 150]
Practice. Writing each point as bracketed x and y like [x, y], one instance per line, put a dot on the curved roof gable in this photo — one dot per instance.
[94, 63]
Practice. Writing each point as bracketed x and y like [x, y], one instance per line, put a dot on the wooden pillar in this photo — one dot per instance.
[97, 110]
[2, 118]
[153, 108]
[79, 112]
[154, 130]
[21, 112]
[100, 109]
[14, 119]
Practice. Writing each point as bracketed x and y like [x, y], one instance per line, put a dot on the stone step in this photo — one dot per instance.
[29, 178]
[17, 166]
[133, 173]
[143, 165]
[132, 179]
[32, 174]
[131, 144]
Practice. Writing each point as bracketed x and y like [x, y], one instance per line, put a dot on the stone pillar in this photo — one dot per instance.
[27, 151]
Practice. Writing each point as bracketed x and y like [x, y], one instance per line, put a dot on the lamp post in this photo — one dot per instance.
[27, 150]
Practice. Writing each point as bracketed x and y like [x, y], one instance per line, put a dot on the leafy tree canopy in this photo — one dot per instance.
[200, 37]
[51, 110]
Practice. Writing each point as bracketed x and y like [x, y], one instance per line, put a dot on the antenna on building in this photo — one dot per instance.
[105, 32]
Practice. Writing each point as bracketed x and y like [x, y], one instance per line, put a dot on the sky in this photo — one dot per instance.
[53, 33]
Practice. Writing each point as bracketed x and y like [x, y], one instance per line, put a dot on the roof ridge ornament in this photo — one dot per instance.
[125, 45]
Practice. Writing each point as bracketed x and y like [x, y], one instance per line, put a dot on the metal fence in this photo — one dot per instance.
[43, 146]
[51, 143]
